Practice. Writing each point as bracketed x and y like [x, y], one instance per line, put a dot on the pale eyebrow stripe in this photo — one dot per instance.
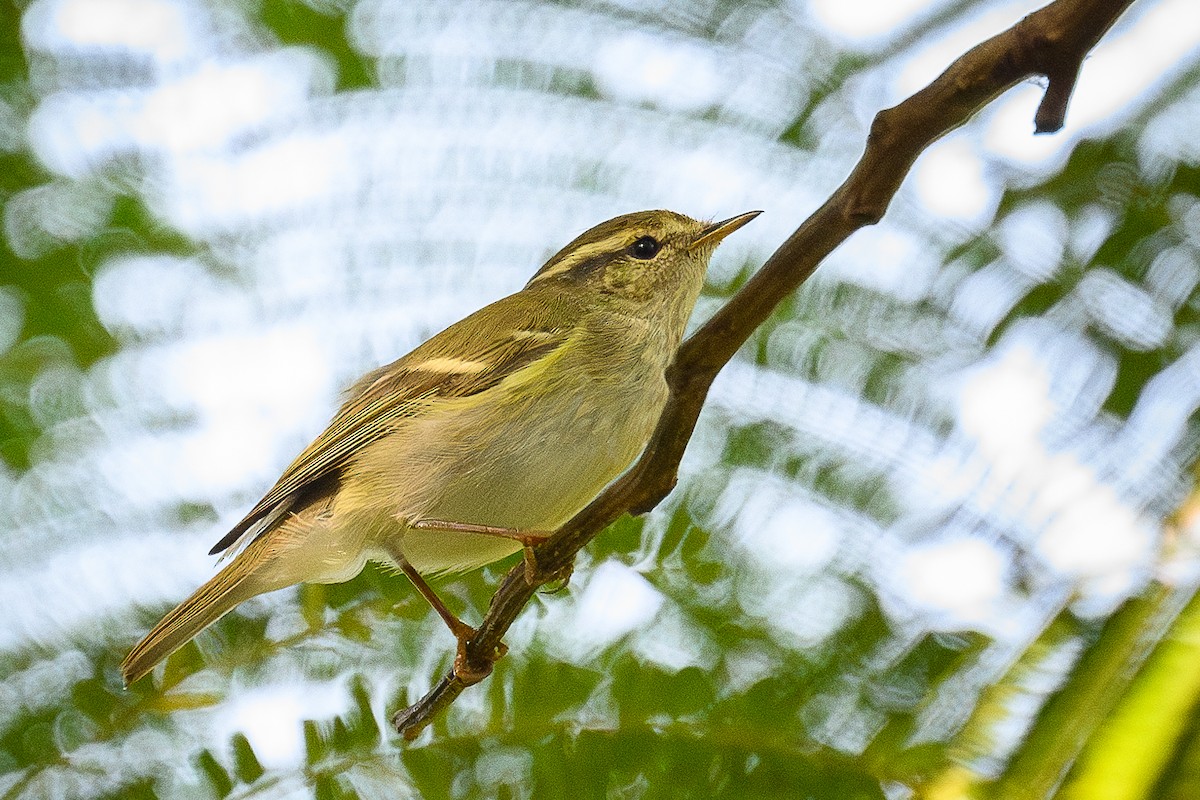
[609, 244]
[457, 366]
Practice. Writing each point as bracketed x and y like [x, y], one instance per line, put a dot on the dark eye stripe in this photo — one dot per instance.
[592, 265]
[597, 256]
[583, 269]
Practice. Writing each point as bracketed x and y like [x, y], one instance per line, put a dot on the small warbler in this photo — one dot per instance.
[482, 439]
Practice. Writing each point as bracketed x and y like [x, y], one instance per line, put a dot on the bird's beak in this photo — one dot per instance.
[719, 230]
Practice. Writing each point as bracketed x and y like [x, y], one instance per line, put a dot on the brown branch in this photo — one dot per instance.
[1052, 41]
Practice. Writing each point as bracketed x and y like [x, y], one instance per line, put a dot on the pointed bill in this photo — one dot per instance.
[719, 230]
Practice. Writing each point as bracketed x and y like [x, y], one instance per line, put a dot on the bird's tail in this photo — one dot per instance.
[238, 581]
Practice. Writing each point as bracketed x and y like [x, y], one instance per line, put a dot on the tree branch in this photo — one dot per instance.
[1052, 41]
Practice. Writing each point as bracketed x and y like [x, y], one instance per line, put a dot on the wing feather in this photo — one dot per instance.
[470, 357]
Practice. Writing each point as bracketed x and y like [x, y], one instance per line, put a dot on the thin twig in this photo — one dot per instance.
[1052, 42]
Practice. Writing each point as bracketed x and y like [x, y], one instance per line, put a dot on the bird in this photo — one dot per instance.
[482, 440]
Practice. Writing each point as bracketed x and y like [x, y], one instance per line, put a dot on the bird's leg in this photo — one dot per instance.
[468, 673]
[527, 539]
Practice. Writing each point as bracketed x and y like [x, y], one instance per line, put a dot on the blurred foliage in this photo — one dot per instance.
[319, 25]
[1111, 703]
[52, 282]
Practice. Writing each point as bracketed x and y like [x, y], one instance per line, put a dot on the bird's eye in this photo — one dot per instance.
[645, 248]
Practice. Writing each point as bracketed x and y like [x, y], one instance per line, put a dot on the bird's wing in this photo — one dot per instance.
[467, 358]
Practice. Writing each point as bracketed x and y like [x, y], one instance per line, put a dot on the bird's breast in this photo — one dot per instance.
[520, 456]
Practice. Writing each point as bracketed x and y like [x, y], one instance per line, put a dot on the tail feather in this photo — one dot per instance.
[229, 587]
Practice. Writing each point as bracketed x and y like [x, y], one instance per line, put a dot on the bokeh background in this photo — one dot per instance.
[932, 536]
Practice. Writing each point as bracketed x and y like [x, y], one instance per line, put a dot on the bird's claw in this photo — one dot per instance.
[470, 671]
